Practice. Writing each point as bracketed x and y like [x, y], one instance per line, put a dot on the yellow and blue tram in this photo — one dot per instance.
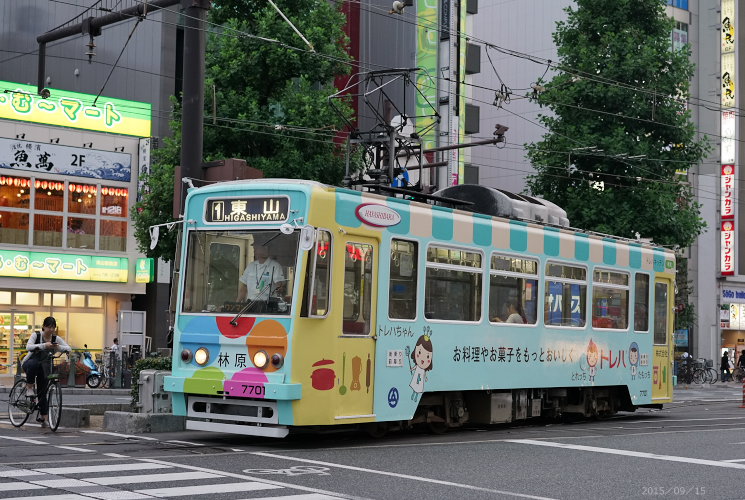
[304, 305]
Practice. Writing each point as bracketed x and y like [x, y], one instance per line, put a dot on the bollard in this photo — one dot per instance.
[743, 394]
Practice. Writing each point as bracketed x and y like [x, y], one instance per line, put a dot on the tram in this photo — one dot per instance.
[302, 305]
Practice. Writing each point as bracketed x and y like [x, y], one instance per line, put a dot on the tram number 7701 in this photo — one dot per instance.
[253, 390]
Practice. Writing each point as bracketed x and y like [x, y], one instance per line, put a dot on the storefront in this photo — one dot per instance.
[732, 321]
[68, 178]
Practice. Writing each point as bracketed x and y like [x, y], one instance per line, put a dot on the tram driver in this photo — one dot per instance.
[259, 276]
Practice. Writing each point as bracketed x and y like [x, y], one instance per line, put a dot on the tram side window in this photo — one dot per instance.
[661, 310]
[513, 290]
[566, 295]
[318, 277]
[610, 299]
[641, 303]
[453, 285]
[403, 280]
[358, 265]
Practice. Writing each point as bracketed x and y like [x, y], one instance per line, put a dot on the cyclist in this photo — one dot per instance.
[37, 363]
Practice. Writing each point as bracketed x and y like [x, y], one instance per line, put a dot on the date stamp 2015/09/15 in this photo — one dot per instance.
[673, 490]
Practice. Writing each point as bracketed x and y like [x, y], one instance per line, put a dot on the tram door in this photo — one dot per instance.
[357, 340]
[663, 334]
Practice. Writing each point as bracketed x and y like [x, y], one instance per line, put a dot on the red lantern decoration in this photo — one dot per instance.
[78, 189]
[104, 191]
[44, 184]
[37, 184]
[71, 187]
[16, 182]
[86, 189]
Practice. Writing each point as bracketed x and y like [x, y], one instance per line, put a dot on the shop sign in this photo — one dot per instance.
[65, 160]
[728, 192]
[145, 271]
[734, 316]
[728, 80]
[727, 258]
[728, 25]
[732, 293]
[724, 316]
[75, 110]
[63, 266]
[729, 123]
[681, 338]
[19, 320]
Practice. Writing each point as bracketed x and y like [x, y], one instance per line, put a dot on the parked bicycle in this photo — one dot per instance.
[21, 405]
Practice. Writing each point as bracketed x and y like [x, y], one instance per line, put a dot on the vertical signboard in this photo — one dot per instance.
[728, 192]
[728, 248]
[426, 59]
[728, 26]
[728, 80]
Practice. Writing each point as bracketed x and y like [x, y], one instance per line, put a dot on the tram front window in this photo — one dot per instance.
[231, 271]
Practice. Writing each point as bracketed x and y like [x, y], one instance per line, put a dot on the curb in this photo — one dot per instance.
[142, 423]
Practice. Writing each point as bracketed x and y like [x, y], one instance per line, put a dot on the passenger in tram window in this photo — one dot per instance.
[514, 314]
[259, 275]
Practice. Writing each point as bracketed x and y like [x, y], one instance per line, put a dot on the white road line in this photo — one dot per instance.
[20, 473]
[102, 468]
[245, 477]
[116, 495]
[309, 496]
[115, 455]
[735, 460]
[19, 486]
[207, 489]
[60, 482]
[73, 448]
[53, 497]
[657, 421]
[629, 453]
[128, 436]
[401, 476]
[183, 442]
[24, 440]
[151, 478]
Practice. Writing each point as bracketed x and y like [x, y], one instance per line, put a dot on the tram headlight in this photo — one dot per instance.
[261, 359]
[202, 356]
[186, 356]
[277, 360]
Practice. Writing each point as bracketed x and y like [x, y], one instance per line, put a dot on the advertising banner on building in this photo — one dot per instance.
[728, 80]
[20, 264]
[727, 205]
[44, 158]
[72, 109]
[727, 264]
[728, 26]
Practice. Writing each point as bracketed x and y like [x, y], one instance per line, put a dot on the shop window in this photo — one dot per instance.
[95, 301]
[48, 230]
[27, 299]
[114, 201]
[15, 192]
[77, 300]
[13, 228]
[113, 235]
[49, 195]
[55, 299]
[82, 199]
[5, 297]
[81, 233]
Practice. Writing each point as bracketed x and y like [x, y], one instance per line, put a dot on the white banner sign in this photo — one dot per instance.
[41, 158]
[728, 248]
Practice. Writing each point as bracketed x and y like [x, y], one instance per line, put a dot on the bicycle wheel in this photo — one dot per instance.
[105, 382]
[698, 376]
[19, 406]
[714, 375]
[54, 397]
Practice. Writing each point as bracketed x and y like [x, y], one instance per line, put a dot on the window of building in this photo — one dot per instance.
[566, 295]
[513, 290]
[641, 303]
[95, 301]
[453, 284]
[318, 278]
[65, 214]
[77, 300]
[5, 297]
[27, 299]
[358, 266]
[403, 280]
[680, 35]
[54, 299]
[610, 299]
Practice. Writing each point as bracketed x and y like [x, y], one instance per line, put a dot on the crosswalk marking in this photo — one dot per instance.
[67, 496]
[308, 496]
[60, 482]
[24, 440]
[19, 486]
[207, 489]
[103, 468]
[117, 434]
[19, 473]
[151, 478]
[73, 448]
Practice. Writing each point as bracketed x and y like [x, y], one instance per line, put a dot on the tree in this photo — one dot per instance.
[265, 101]
[620, 127]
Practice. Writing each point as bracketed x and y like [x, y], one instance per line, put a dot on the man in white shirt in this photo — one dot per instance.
[259, 275]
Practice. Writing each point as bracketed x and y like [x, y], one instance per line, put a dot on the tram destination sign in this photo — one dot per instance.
[247, 209]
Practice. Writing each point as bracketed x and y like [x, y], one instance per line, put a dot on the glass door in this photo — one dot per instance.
[15, 329]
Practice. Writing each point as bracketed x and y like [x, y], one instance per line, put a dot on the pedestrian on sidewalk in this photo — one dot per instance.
[726, 374]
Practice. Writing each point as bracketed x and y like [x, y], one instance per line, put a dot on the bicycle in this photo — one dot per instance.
[21, 406]
[738, 374]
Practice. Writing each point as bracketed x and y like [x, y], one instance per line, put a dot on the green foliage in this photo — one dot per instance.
[622, 90]
[154, 363]
[270, 101]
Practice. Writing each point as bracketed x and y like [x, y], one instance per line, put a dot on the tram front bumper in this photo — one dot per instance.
[278, 391]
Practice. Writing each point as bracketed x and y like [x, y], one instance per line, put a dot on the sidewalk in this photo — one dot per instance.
[728, 391]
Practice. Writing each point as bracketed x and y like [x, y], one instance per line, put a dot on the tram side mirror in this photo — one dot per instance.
[307, 237]
[286, 228]
[154, 235]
